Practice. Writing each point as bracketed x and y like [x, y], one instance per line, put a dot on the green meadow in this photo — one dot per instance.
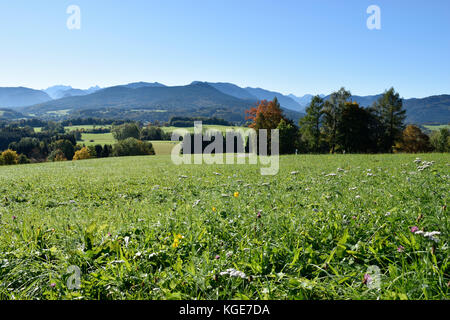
[325, 227]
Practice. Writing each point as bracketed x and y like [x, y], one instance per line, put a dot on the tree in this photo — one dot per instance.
[132, 147]
[353, 129]
[125, 131]
[288, 135]
[98, 151]
[267, 115]
[107, 151]
[311, 124]
[57, 155]
[9, 157]
[65, 146]
[23, 159]
[27, 146]
[389, 110]
[413, 140]
[332, 116]
[82, 154]
[440, 140]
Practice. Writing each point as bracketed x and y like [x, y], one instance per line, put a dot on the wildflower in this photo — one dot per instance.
[217, 257]
[236, 194]
[14, 217]
[430, 235]
[414, 229]
[214, 209]
[258, 215]
[367, 279]
[127, 241]
[401, 248]
[234, 273]
[176, 240]
[52, 285]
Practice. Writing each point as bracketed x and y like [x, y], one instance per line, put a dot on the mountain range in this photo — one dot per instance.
[147, 101]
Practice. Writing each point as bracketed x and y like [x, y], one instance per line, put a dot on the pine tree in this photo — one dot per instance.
[311, 124]
[332, 116]
[389, 110]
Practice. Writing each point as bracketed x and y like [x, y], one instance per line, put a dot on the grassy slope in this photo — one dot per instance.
[316, 238]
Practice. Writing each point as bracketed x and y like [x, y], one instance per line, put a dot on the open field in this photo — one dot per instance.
[86, 127]
[205, 127]
[91, 139]
[143, 228]
[432, 128]
[161, 147]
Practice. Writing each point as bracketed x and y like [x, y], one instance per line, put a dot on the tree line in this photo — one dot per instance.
[340, 125]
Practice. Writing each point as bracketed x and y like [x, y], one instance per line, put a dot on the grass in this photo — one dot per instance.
[143, 228]
[91, 139]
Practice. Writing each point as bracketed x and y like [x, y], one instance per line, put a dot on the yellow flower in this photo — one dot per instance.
[214, 209]
[236, 194]
[176, 243]
[179, 237]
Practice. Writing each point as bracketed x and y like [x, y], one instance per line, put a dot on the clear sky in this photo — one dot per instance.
[290, 46]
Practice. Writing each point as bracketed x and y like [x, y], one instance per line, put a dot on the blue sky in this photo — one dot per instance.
[296, 46]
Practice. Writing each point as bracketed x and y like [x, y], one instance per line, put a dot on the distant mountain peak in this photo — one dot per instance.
[141, 84]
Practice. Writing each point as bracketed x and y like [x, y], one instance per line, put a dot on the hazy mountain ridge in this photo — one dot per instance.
[155, 102]
[158, 101]
[62, 91]
[13, 97]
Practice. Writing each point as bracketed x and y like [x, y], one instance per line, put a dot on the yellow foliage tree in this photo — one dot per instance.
[9, 157]
[413, 141]
[82, 154]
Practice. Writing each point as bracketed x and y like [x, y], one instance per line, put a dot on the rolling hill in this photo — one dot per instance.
[150, 103]
[14, 97]
[8, 114]
[434, 109]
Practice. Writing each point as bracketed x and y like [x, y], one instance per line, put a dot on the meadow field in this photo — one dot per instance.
[161, 147]
[326, 227]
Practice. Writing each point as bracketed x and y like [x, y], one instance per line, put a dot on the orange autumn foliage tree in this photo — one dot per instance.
[267, 115]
